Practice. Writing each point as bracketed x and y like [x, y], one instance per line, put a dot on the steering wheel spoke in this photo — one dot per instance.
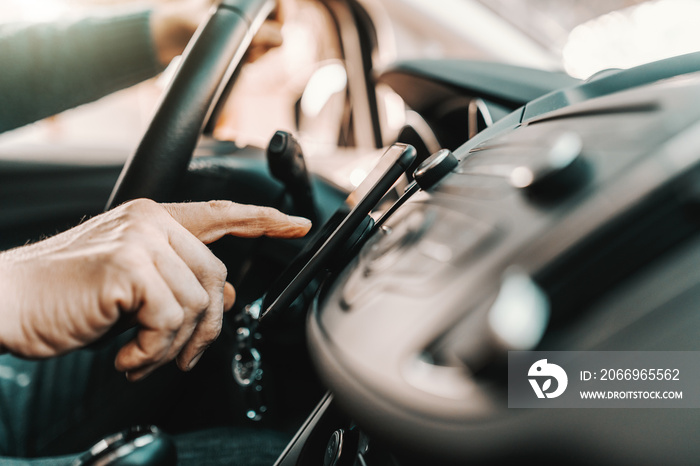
[209, 62]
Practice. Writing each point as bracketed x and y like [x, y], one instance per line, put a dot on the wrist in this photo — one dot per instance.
[160, 26]
[172, 27]
[8, 309]
[21, 293]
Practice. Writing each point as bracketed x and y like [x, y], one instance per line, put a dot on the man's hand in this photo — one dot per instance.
[174, 22]
[143, 261]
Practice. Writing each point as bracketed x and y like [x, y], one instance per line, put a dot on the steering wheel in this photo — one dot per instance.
[209, 62]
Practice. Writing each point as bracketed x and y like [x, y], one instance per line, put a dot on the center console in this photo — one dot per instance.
[571, 229]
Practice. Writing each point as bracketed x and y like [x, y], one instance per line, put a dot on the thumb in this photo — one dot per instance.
[209, 221]
[229, 296]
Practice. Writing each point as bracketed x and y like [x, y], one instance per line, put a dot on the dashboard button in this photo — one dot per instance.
[342, 447]
[334, 448]
[559, 171]
[435, 168]
[545, 170]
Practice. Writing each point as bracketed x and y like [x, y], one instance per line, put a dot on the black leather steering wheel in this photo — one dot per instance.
[212, 56]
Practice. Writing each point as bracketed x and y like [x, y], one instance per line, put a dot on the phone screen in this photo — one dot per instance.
[339, 228]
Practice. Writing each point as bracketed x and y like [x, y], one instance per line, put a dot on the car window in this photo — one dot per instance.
[593, 35]
[581, 37]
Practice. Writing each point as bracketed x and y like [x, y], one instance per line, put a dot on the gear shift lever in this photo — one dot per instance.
[286, 162]
[140, 445]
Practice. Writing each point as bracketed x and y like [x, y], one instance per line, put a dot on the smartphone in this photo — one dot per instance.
[331, 238]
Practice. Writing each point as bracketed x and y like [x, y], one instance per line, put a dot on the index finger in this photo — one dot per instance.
[209, 221]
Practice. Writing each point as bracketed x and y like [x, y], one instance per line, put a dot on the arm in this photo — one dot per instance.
[48, 68]
[142, 261]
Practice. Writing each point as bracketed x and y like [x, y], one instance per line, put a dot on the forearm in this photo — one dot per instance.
[45, 69]
[21, 312]
[9, 322]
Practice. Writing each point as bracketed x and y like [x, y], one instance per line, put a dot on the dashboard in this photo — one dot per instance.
[563, 227]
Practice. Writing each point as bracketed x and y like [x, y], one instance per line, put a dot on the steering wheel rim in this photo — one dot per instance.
[209, 61]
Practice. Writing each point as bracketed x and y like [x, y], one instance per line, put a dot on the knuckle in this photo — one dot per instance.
[120, 267]
[211, 333]
[116, 295]
[150, 357]
[264, 212]
[201, 301]
[216, 207]
[215, 272]
[219, 269]
[174, 320]
[133, 356]
[141, 220]
[141, 205]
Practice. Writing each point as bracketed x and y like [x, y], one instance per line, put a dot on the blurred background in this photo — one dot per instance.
[580, 37]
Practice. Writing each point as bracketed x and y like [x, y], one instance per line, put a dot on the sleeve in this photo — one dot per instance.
[48, 68]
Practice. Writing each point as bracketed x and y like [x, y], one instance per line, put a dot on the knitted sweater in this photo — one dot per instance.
[48, 68]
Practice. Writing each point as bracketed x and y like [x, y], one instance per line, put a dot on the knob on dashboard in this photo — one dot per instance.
[342, 448]
[560, 171]
[434, 168]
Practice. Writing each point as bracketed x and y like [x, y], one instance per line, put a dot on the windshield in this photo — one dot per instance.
[580, 37]
[592, 35]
